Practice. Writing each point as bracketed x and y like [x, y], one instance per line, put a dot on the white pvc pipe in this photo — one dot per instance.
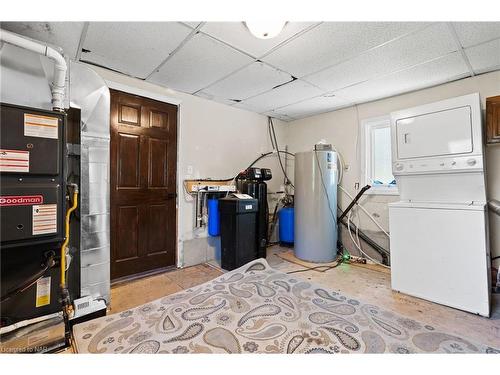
[60, 67]
[28, 322]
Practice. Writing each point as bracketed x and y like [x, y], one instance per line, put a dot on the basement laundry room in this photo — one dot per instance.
[250, 187]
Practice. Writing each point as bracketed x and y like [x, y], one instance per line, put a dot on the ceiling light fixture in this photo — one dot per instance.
[265, 29]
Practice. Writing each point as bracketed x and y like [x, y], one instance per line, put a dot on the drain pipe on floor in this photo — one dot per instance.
[60, 67]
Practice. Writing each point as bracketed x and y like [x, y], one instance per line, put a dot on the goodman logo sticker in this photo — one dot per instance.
[20, 200]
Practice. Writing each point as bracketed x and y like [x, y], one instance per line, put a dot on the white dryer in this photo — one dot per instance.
[438, 229]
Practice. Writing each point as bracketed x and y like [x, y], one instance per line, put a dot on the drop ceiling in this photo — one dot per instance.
[309, 68]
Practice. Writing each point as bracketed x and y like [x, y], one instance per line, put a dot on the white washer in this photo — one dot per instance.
[439, 253]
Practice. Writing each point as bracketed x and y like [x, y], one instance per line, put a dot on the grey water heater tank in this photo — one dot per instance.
[316, 205]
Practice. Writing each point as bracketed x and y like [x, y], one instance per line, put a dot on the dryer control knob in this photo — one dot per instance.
[399, 167]
[471, 162]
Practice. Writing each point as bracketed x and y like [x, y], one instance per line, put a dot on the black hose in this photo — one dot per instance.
[327, 268]
[273, 222]
[258, 159]
[276, 147]
[353, 202]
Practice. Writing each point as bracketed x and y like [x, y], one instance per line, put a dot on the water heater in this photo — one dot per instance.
[316, 204]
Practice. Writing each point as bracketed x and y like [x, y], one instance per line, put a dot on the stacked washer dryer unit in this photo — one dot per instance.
[439, 238]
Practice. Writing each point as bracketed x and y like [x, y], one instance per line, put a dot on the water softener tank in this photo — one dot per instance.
[285, 217]
[316, 204]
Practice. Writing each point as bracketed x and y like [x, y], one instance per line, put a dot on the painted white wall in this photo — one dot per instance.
[341, 129]
[217, 141]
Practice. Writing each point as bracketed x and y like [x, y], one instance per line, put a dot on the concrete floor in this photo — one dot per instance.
[137, 292]
[370, 284]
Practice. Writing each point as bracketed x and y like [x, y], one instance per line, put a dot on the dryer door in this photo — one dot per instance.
[442, 133]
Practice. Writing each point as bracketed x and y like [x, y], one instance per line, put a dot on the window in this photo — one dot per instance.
[376, 158]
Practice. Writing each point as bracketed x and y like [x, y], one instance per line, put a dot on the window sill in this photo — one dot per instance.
[382, 190]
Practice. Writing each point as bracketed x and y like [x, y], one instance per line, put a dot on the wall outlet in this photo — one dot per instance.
[189, 169]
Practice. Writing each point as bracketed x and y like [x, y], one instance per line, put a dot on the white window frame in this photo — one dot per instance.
[365, 130]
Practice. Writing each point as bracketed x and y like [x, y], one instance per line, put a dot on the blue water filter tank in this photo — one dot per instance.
[286, 220]
[213, 217]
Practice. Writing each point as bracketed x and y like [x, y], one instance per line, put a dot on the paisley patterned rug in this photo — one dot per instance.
[256, 309]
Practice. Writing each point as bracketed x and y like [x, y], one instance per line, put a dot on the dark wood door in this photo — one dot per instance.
[143, 184]
[493, 119]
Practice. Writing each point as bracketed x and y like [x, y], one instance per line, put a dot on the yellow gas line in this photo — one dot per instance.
[66, 241]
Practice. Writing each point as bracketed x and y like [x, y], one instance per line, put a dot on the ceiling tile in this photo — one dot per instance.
[432, 73]
[237, 35]
[279, 116]
[313, 106]
[134, 48]
[65, 35]
[288, 93]
[218, 99]
[249, 81]
[199, 63]
[333, 42]
[193, 24]
[427, 44]
[485, 57]
[472, 33]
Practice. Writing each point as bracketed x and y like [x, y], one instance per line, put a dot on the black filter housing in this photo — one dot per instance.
[238, 224]
[32, 208]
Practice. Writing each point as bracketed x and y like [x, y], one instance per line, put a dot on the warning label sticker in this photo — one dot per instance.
[41, 126]
[14, 161]
[43, 292]
[44, 219]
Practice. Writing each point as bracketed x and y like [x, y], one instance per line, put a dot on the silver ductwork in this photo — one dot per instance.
[89, 93]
